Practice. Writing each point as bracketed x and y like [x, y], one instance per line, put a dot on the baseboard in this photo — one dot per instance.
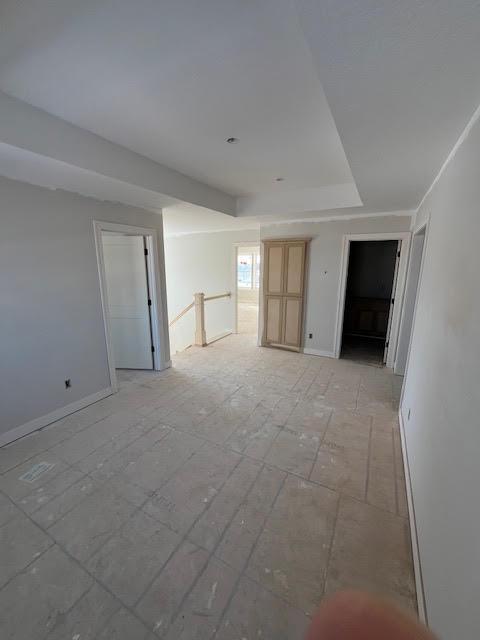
[422, 612]
[219, 337]
[318, 352]
[58, 414]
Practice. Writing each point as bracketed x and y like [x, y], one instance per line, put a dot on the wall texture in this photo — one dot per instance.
[325, 257]
[202, 262]
[441, 395]
[51, 318]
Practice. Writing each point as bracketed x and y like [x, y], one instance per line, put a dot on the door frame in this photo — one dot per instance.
[236, 246]
[405, 237]
[159, 335]
[423, 226]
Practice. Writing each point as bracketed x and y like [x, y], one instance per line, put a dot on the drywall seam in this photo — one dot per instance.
[43, 421]
[417, 568]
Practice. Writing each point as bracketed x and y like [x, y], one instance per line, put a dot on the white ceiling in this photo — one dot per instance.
[402, 78]
[172, 80]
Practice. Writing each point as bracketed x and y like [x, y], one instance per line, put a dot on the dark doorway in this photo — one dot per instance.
[371, 273]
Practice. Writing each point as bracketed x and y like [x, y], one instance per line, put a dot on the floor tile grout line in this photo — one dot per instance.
[184, 537]
[241, 573]
[367, 480]
[283, 392]
[332, 541]
[274, 466]
[101, 483]
[85, 569]
[211, 554]
[320, 443]
[140, 508]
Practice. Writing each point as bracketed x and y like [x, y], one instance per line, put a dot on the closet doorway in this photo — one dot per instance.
[371, 296]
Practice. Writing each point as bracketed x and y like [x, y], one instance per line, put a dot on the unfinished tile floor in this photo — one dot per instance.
[222, 498]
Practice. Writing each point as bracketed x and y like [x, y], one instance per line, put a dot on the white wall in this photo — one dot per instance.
[324, 268]
[441, 393]
[202, 262]
[51, 315]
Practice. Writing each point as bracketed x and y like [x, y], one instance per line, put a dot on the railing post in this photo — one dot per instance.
[200, 334]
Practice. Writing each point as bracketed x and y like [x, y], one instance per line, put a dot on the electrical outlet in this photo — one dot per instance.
[310, 335]
[68, 383]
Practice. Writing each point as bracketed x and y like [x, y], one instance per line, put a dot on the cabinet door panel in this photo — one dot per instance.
[273, 324]
[292, 321]
[294, 268]
[274, 268]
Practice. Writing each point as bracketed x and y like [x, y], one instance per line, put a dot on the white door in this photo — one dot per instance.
[128, 301]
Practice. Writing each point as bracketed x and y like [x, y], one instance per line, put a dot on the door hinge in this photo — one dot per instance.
[153, 349]
[145, 251]
[386, 344]
[393, 300]
[398, 254]
[149, 302]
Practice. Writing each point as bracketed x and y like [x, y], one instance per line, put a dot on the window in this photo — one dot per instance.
[248, 269]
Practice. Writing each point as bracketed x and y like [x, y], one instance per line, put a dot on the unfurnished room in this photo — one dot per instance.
[239, 346]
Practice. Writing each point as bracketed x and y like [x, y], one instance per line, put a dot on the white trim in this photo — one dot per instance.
[180, 234]
[425, 225]
[219, 336]
[339, 218]
[405, 237]
[159, 335]
[276, 222]
[318, 352]
[417, 568]
[58, 414]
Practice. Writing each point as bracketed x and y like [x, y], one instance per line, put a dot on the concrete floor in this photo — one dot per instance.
[247, 318]
[221, 498]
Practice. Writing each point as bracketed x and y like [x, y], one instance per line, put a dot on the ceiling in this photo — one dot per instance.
[354, 104]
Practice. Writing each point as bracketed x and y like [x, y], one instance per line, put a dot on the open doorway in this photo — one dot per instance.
[248, 287]
[369, 298]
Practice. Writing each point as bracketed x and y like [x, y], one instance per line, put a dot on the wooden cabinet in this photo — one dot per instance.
[283, 292]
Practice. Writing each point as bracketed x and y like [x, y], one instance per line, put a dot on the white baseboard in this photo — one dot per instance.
[58, 414]
[318, 352]
[219, 337]
[422, 612]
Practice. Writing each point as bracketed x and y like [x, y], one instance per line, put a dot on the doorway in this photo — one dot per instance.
[131, 289]
[369, 300]
[129, 300]
[247, 287]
